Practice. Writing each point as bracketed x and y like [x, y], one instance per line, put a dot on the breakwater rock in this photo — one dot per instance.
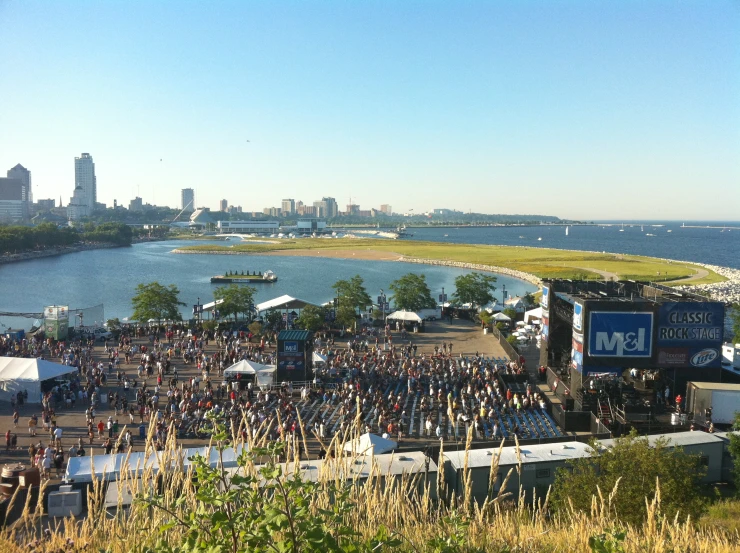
[727, 291]
[521, 275]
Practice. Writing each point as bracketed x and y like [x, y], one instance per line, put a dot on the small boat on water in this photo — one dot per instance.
[241, 278]
[566, 231]
[540, 238]
[648, 234]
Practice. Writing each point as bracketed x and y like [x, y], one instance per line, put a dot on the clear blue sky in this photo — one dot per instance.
[580, 109]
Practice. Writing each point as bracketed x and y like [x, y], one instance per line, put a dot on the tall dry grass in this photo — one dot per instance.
[406, 506]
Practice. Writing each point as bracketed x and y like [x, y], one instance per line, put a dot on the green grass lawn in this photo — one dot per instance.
[543, 262]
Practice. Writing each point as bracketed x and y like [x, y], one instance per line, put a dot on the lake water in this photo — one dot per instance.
[110, 276]
[700, 245]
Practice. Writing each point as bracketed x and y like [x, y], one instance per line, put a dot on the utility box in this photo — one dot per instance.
[723, 400]
[64, 504]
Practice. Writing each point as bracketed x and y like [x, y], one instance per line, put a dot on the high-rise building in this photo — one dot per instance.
[385, 208]
[77, 207]
[13, 200]
[136, 204]
[288, 207]
[187, 199]
[224, 205]
[24, 175]
[85, 179]
[332, 209]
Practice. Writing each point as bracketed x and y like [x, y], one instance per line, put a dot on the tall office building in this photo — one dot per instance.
[13, 200]
[332, 209]
[187, 199]
[85, 179]
[224, 205]
[385, 208]
[288, 207]
[24, 175]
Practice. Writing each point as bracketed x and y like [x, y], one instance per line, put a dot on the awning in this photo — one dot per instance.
[501, 317]
[245, 366]
[409, 316]
[283, 302]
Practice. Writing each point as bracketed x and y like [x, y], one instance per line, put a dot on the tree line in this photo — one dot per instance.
[19, 238]
[410, 293]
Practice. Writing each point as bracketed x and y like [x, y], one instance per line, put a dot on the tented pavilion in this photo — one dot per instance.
[264, 375]
[283, 303]
[369, 444]
[19, 374]
[406, 316]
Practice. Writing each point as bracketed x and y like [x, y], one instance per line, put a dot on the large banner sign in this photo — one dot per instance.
[545, 299]
[690, 334]
[545, 332]
[620, 334]
[576, 355]
[578, 317]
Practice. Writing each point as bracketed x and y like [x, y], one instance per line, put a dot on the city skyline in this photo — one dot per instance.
[532, 107]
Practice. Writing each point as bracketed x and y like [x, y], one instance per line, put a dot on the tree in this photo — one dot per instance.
[474, 288]
[273, 319]
[311, 318]
[529, 300]
[237, 299]
[410, 292]
[346, 314]
[155, 301]
[734, 449]
[510, 312]
[635, 468]
[735, 318]
[353, 292]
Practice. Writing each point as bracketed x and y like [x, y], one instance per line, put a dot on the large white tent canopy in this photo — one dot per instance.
[19, 374]
[409, 316]
[370, 444]
[283, 302]
[245, 366]
[533, 314]
[501, 317]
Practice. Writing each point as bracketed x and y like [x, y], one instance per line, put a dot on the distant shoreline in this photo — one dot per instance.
[61, 250]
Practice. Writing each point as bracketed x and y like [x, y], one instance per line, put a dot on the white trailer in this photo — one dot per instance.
[731, 355]
[723, 400]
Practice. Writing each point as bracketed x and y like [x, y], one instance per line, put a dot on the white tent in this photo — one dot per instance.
[283, 302]
[245, 366]
[19, 374]
[409, 316]
[501, 317]
[532, 314]
[370, 443]
[318, 358]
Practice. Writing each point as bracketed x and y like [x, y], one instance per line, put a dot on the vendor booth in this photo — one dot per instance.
[19, 374]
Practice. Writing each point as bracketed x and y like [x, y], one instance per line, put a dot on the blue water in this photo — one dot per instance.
[110, 277]
[701, 245]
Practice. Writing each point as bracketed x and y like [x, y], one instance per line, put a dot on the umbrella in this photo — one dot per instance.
[521, 323]
[522, 338]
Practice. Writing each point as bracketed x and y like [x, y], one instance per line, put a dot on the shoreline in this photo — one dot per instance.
[51, 252]
[727, 291]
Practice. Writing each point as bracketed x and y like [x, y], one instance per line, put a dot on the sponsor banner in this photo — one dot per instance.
[706, 358]
[686, 324]
[290, 347]
[578, 317]
[576, 359]
[578, 346]
[620, 334]
[673, 357]
[291, 362]
[578, 338]
[545, 328]
[545, 299]
[56, 312]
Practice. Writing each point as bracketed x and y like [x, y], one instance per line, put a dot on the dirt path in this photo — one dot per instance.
[605, 274]
[700, 273]
[371, 255]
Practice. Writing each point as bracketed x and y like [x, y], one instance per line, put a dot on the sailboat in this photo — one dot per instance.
[622, 229]
[566, 231]
[642, 228]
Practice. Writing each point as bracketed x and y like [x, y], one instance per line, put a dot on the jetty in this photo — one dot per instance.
[244, 278]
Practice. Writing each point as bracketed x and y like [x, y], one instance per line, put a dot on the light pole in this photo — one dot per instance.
[503, 293]
[382, 299]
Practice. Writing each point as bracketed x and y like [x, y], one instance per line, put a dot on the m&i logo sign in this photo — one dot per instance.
[620, 334]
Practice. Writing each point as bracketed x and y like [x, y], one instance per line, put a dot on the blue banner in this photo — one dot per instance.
[545, 299]
[620, 334]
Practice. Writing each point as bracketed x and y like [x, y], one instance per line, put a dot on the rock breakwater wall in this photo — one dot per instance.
[521, 275]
